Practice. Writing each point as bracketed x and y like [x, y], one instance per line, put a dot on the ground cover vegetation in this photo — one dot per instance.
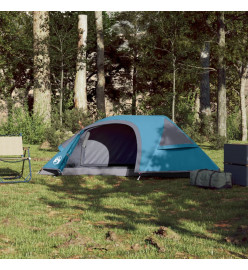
[119, 217]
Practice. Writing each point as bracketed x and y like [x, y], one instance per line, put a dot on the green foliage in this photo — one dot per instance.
[217, 142]
[193, 131]
[233, 125]
[56, 137]
[16, 53]
[73, 121]
[20, 121]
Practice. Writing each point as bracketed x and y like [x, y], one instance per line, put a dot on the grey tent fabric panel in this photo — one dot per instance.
[119, 171]
[95, 153]
[75, 158]
[173, 135]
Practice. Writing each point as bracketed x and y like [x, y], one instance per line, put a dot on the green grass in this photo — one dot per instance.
[68, 217]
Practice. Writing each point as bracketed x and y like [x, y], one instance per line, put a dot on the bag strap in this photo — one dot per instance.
[197, 175]
[210, 178]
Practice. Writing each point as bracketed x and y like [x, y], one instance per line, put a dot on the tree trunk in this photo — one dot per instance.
[80, 93]
[42, 84]
[197, 107]
[61, 94]
[100, 100]
[205, 87]
[243, 105]
[174, 89]
[221, 77]
[134, 95]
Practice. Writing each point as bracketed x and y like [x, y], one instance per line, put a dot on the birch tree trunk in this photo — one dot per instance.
[100, 99]
[221, 77]
[197, 107]
[42, 84]
[205, 86]
[243, 105]
[80, 93]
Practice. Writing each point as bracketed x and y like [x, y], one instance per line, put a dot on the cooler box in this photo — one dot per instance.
[236, 162]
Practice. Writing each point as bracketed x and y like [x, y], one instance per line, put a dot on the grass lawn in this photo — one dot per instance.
[69, 217]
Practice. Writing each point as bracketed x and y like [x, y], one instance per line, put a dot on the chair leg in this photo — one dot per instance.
[28, 177]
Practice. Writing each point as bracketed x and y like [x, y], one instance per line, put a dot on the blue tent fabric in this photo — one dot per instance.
[161, 147]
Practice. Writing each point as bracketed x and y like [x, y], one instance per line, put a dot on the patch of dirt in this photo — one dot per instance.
[8, 250]
[152, 241]
[79, 240]
[65, 231]
[45, 146]
[4, 238]
[239, 237]
[110, 235]
[13, 221]
[97, 248]
[225, 225]
[168, 233]
[135, 247]
[182, 255]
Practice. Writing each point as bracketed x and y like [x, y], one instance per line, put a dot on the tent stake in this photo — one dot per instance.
[139, 177]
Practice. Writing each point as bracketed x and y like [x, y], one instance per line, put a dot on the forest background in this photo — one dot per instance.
[190, 66]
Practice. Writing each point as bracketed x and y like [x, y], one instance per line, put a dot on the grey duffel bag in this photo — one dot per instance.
[211, 179]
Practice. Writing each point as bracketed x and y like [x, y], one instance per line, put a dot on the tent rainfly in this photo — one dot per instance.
[129, 145]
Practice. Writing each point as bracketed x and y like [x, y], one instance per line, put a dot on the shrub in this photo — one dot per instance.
[73, 121]
[193, 131]
[217, 141]
[56, 137]
[20, 121]
[234, 126]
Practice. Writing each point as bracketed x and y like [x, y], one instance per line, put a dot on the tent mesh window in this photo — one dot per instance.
[172, 135]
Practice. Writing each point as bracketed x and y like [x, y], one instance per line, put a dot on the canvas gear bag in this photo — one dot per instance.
[211, 179]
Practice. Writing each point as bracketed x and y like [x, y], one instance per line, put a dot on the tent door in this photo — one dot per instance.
[108, 145]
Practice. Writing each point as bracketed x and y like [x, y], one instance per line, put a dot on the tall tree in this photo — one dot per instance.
[100, 99]
[129, 31]
[16, 57]
[170, 53]
[205, 85]
[222, 115]
[80, 94]
[244, 77]
[42, 85]
[237, 57]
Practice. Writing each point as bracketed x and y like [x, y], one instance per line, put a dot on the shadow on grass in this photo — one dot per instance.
[173, 203]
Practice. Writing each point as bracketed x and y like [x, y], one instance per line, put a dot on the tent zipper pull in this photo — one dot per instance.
[139, 177]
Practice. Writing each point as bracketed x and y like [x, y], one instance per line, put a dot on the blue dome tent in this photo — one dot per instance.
[129, 145]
